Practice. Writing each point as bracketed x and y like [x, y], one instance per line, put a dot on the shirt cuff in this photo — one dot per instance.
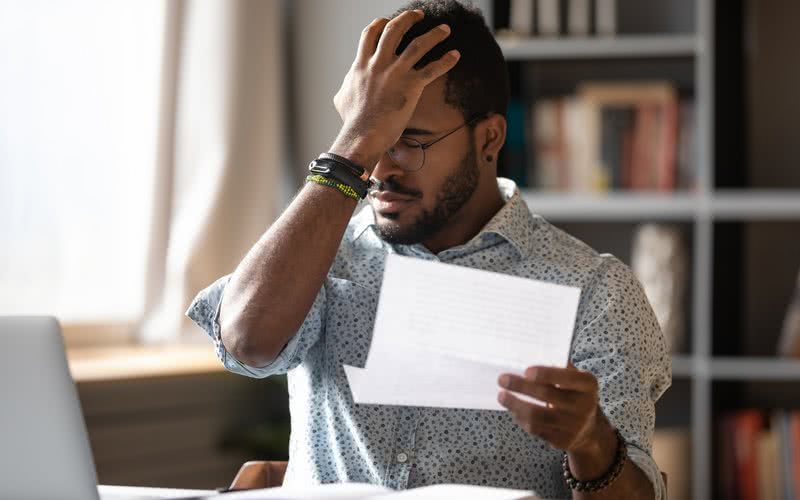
[276, 366]
[645, 462]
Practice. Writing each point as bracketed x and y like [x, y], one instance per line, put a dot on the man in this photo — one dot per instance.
[423, 109]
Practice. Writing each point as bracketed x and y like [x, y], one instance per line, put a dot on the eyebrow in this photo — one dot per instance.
[417, 131]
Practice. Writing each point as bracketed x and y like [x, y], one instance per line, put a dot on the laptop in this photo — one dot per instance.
[44, 448]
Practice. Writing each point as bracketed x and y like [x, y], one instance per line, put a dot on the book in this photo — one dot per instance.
[605, 17]
[578, 17]
[648, 143]
[512, 161]
[686, 148]
[521, 17]
[581, 129]
[747, 428]
[780, 423]
[549, 167]
[548, 18]
[767, 460]
[609, 135]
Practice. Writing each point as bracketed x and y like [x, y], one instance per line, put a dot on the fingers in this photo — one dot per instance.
[531, 417]
[435, 69]
[394, 31]
[422, 44]
[369, 40]
[560, 398]
[570, 379]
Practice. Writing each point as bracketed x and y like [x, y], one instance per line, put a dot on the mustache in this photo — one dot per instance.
[391, 186]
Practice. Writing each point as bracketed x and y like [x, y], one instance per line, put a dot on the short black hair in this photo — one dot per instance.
[478, 83]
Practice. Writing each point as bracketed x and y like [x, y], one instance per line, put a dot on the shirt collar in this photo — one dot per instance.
[513, 222]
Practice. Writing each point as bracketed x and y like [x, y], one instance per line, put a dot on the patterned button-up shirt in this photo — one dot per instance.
[616, 337]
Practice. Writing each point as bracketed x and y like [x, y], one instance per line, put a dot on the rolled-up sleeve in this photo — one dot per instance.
[618, 339]
[204, 311]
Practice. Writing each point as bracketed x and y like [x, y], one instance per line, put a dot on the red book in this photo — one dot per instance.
[749, 424]
[668, 145]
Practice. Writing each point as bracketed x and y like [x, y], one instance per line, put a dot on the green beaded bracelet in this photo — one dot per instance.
[343, 188]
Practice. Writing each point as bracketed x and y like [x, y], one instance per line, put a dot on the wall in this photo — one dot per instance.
[324, 35]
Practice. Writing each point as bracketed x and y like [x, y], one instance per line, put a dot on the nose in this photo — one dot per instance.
[386, 168]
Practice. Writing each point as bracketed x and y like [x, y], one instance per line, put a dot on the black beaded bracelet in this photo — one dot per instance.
[606, 479]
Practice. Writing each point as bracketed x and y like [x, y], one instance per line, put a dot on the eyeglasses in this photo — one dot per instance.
[409, 154]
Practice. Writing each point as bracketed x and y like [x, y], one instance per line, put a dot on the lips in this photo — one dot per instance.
[390, 202]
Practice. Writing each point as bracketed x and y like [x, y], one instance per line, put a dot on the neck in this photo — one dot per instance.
[485, 202]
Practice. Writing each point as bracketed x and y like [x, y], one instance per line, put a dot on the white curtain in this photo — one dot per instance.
[221, 151]
[141, 154]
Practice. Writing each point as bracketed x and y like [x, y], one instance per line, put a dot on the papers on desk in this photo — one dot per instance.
[359, 491]
[444, 333]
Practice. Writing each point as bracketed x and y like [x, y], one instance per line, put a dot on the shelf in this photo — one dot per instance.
[762, 368]
[623, 46]
[612, 206]
[682, 366]
[756, 204]
[637, 206]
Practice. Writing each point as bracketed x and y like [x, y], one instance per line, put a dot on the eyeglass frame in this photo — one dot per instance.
[425, 145]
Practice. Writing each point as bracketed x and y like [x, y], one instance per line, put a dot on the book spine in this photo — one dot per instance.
[548, 15]
[781, 423]
[748, 427]
[767, 468]
[521, 17]
[578, 17]
[665, 170]
[545, 144]
[605, 17]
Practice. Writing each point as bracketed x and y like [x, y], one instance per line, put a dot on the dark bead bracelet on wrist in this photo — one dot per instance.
[606, 479]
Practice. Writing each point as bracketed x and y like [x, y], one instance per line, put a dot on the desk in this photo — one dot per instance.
[128, 492]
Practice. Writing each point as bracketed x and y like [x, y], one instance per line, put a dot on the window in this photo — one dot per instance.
[79, 94]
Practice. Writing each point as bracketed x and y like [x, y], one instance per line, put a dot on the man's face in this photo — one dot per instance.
[413, 206]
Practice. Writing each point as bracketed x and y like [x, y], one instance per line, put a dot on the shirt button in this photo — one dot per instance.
[402, 458]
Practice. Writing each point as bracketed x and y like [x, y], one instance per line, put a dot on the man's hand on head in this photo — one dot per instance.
[381, 89]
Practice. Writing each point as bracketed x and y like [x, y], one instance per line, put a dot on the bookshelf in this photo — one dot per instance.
[682, 46]
[621, 46]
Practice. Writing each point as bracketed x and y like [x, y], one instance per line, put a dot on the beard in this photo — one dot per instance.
[456, 190]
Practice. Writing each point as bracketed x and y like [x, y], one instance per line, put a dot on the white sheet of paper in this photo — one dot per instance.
[444, 333]
[487, 317]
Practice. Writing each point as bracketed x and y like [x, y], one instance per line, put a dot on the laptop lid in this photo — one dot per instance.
[44, 448]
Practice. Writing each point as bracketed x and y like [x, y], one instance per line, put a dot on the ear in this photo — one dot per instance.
[490, 135]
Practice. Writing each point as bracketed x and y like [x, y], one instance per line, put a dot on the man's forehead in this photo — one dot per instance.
[432, 112]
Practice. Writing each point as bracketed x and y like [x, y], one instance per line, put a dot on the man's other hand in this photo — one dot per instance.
[569, 417]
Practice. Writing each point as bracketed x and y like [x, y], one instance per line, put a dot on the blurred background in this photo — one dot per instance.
[144, 146]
